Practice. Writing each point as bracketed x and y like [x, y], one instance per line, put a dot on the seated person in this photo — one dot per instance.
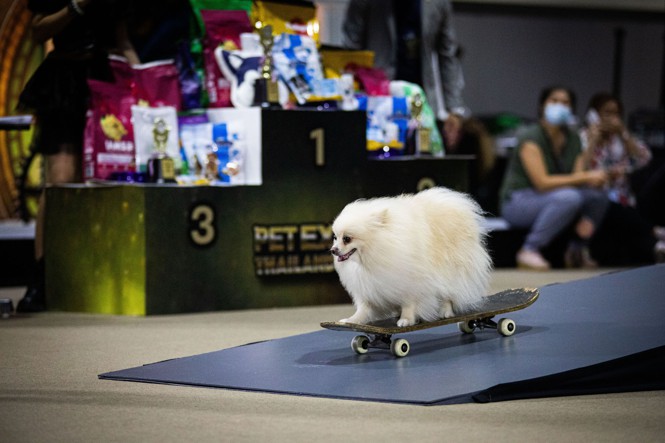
[626, 237]
[546, 187]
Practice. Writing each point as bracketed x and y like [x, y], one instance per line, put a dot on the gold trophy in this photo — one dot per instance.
[266, 93]
[161, 168]
[422, 134]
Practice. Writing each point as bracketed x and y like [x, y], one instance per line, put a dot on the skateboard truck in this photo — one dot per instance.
[362, 343]
[505, 327]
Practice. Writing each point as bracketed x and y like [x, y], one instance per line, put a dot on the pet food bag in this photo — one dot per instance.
[195, 136]
[190, 80]
[222, 28]
[241, 69]
[152, 84]
[287, 17]
[108, 144]
[387, 124]
[237, 138]
[296, 59]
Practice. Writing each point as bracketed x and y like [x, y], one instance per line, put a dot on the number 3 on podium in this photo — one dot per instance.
[202, 224]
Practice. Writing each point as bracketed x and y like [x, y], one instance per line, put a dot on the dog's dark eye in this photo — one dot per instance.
[334, 237]
[346, 239]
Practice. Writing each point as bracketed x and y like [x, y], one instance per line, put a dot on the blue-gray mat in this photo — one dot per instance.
[603, 334]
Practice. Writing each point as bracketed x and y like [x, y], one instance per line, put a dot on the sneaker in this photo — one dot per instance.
[532, 260]
[659, 251]
[32, 301]
[577, 256]
[659, 232]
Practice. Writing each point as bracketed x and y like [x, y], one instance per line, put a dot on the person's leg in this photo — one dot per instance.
[593, 210]
[60, 168]
[546, 214]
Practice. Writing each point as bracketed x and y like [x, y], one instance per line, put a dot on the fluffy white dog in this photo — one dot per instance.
[421, 257]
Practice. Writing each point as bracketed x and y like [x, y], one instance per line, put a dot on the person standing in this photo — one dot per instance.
[414, 41]
[82, 33]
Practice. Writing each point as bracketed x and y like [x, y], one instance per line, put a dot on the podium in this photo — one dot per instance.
[145, 249]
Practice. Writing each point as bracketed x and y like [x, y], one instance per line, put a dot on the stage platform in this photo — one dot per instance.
[598, 335]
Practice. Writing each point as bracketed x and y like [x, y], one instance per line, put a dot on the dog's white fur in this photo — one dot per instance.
[420, 257]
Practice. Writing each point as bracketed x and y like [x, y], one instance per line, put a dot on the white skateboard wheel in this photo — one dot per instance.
[465, 327]
[359, 344]
[400, 347]
[506, 327]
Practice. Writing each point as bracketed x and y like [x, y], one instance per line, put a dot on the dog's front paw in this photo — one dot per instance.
[447, 309]
[404, 322]
[344, 320]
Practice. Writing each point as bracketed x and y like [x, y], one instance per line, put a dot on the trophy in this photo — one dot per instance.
[421, 134]
[266, 93]
[161, 168]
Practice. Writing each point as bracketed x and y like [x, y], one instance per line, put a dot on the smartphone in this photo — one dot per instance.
[592, 117]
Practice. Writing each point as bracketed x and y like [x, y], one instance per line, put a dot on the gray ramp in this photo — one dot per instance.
[575, 339]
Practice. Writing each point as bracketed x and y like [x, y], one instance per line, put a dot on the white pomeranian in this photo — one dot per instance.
[421, 257]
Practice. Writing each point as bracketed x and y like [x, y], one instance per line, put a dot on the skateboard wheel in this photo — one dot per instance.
[359, 344]
[400, 347]
[465, 327]
[506, 327]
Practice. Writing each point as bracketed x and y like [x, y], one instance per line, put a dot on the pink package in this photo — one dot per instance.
[221, 28]
[155, 83]
[373, 80]
[108, 144]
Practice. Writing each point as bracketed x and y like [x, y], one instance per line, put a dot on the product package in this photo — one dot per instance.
[152, 84]
[287, 17]
[191, 84]
[108, 142]
[235, 158]
[195, 134]
[297, 61]
[222, 28]
[241, 69]
[387, 124]
[336, 61]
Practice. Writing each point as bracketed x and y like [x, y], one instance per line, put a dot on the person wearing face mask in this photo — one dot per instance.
[626, 237]
[546, 187]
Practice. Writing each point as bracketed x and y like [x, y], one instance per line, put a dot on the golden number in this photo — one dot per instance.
[202, 230]
[318, 136]
[425, 183]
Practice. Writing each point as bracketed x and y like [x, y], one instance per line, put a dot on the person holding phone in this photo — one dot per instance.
[627, 238]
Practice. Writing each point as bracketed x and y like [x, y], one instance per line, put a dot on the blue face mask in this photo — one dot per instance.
[557, 114]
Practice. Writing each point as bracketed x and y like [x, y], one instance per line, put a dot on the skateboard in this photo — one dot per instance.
[378, 335]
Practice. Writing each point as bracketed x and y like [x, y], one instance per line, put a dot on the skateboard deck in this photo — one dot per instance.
[379, 334]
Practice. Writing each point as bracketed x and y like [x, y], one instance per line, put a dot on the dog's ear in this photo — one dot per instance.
[380, 218]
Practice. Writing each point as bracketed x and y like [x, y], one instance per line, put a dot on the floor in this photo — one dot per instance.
[49, 390]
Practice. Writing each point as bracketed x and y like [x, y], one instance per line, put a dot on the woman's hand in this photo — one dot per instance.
[596, 178]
